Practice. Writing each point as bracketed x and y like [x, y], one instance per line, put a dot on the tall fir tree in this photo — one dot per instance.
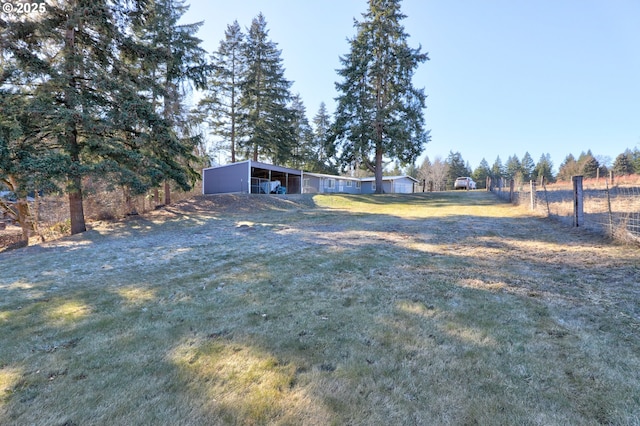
[302, 154]
[527, 166]
[264, 98]
[323, 149]
[481, 173]
[635, 160]
[177, 61]
[588, 164]
[81, 66]
[513, 168]
[569, 167]
[380, 112]
[623, 164]
[221, 102]
[497, 170]
[544, 169]
[67, 59]
[27, 162]
[456, 168]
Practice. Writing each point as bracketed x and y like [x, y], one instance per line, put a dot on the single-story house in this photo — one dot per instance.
[321, 183]
[314, 183]
[251, 177]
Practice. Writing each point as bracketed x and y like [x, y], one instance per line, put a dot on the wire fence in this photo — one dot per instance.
[602, 206]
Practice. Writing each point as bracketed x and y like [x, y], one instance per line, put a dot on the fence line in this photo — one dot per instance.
[610, 210]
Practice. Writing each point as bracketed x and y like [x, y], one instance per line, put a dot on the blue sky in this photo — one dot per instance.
[504, 76]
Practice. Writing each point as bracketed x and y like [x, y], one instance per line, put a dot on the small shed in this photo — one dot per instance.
[251, 177]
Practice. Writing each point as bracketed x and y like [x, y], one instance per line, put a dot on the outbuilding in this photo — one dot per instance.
[390, 185]
[251, 177]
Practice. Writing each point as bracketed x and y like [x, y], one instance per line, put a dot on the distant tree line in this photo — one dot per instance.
[441, 173]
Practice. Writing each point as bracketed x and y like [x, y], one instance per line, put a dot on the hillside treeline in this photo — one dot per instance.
[441, 173]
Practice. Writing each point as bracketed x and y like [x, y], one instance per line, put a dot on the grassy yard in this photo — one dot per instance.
[443, 308]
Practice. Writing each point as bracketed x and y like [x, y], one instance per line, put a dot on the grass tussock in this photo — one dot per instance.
[444, 308]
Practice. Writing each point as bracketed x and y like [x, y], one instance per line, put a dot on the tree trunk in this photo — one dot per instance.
[24, 218]
[167, 193]
[379, 189]
[233, 121]
[76, 210]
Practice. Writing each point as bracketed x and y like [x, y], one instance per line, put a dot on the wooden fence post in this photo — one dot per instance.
[532, 187]
[578, 211]
[511, 189]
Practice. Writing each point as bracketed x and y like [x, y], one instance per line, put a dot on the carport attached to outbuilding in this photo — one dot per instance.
[250, 177]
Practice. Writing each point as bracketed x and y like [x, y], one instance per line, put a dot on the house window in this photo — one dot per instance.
[358, 184]
[305, 182]
[349, 184]
[373, 186]
[331, 183]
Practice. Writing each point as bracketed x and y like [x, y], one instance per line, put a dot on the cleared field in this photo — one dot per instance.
[441, 308]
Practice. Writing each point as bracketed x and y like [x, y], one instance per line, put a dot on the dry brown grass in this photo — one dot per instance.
[445, 308]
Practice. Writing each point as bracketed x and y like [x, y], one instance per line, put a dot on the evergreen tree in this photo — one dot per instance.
[497, 170]
[177, 62]
[481, 173]
[544, 169]
[411, 170]
[303, 153]
[26, 161]
[222, 99]
[568, 168]
[323, 149]
[588, 165]
[66, 59]
[527, 166]
[513, 169]
[396, 171]
[635, 160]
[380, 113]
[264, 98]
[623, 164]
[83, 70]
[456, 168]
